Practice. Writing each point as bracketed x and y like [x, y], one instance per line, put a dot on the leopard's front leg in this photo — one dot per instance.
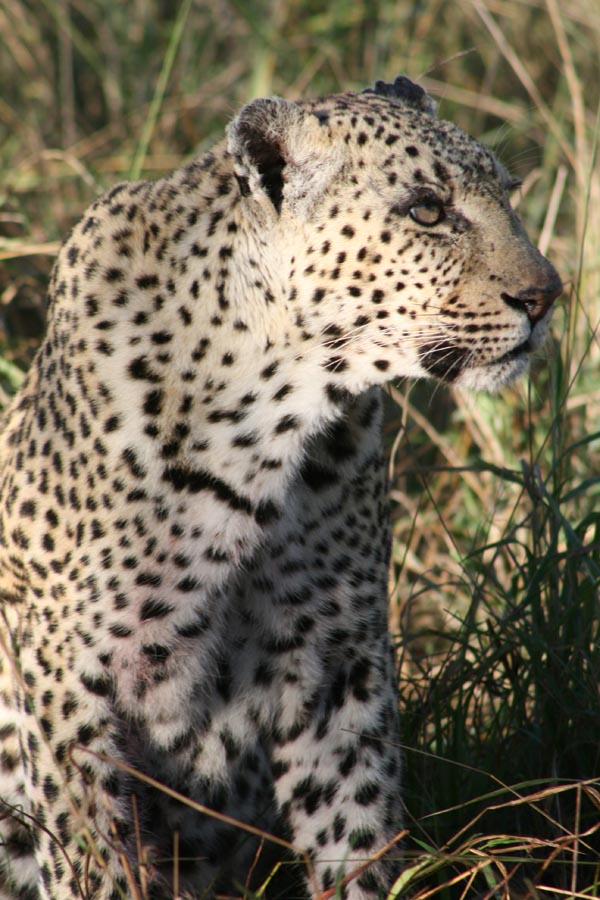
[336, 755]
[338, 774]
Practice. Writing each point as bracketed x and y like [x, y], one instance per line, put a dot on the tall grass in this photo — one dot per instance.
[496, 561]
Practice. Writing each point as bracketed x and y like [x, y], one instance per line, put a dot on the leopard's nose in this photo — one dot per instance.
[536, 300]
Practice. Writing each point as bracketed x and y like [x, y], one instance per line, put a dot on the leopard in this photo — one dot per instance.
[196, 666]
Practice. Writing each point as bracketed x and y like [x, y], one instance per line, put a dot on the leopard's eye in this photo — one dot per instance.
[427, 212]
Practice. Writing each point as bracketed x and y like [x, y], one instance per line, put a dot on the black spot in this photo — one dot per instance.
[337, 690]
[155, 608]
[367, 793]
[129, 457]
[282, 392]
[96, 530]
[147, 281]
[224, 679]
[336, 364]
[369, 882]
[223, 415]
[153, 402]
[269, 370]
[286, 423]
[156, 653]
[270, 465]
[50, 789]
[318, 477]
[340, 442]
[230, 744]
[348, 762]
[111, 424]
[328, 880]
[161, 337]
[243, 185]
[152, 579]
[97, 684]
[264, 674]
[358, 679]
[196, 628]
[215, 555]
[69, 706]
[196, 480]
[281, 644]
[47, 727]
[245, 440]
[188, 584]
[361, 839]
[266, 512]
[441, 171]
[199, 351]
[141, 371]
[120, 631]
[339, 396]
[443, 361]
[85, 734]
[214, 221]
[304, 787]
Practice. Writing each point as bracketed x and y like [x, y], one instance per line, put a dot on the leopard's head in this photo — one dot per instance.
[399, 251]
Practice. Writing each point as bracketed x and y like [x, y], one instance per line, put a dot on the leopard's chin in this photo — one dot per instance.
[499, 373]
[509, 367]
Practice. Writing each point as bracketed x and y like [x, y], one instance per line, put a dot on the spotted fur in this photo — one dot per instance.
[194, 529]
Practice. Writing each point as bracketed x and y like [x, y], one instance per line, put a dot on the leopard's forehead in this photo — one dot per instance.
[388, 126]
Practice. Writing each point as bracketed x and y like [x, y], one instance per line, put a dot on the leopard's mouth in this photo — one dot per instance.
[524, 348]
[449, 363]
[499, 372]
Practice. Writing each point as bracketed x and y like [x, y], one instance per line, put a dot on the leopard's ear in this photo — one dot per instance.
[284, 152]
[405, 90]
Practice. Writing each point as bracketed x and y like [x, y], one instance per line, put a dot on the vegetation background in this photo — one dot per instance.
[496, 562]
